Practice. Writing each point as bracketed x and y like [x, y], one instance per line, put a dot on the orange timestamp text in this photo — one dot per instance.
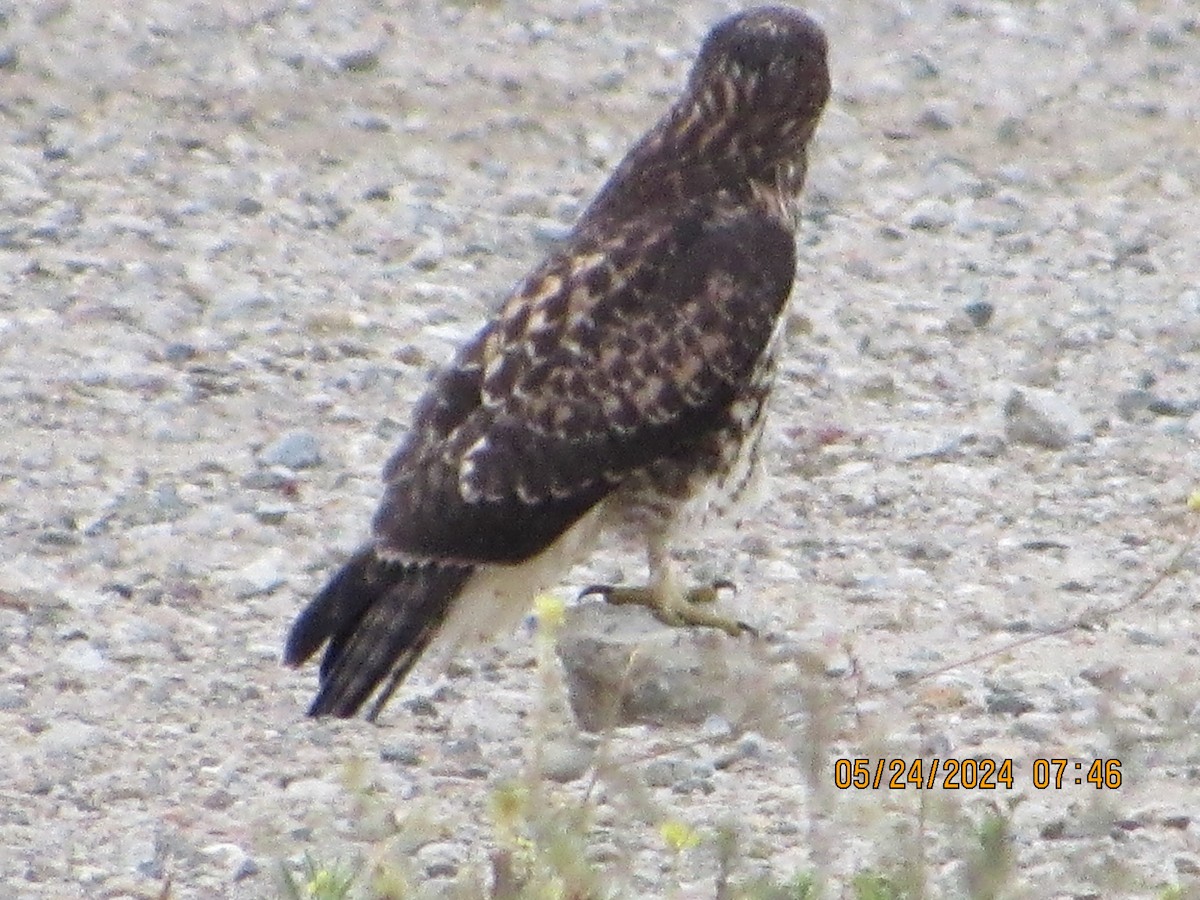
[970, 774]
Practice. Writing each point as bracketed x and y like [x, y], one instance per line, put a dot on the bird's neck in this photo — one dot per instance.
[694, 152]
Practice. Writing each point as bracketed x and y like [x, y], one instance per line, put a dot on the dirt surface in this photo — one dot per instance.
[235, 237]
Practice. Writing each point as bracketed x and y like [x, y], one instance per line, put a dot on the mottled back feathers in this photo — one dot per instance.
[551, 426]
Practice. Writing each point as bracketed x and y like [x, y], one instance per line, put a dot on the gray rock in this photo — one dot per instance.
[367, 120]
[564, 761]
[84, 658]
[922, 67]
[936, 117]
[1010, 701]
[1162, 406]
[930, 215]
[1042, 419]
[980, 313]
[68, 737]
[716, 727]
[219, 799]
[1142, 638]
[271, 513]
[440, 860]
[1134, 404]
[236, 862]
[140, 854]
[1187, 865]
[1162, 35]
[363, 59]
[429, 254]
[550, 232]
[623, 666]
[248, 206]
[179, 352]
[1036, 727]
[160, 503]
[315, 791]
[467, 749]
[58, 537]
[259, 577]
[241, 304]
[661, 773]
[296, 450]
[401, 754]
[693, 785]
[11, 700]
[275, 478]
[910, 444]
[751, 746]
[464, 758]
[925, 550]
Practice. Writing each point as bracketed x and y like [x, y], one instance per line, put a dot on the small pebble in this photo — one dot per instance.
[297, 450]
[401, 754]
[260, 577]
[566, 761]
[1009, 702]
[365, 59]
[248, 206]
[930, 215]
[980, 313]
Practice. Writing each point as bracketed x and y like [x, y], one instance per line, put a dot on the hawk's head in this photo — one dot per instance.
[752, 103]
[763, 73]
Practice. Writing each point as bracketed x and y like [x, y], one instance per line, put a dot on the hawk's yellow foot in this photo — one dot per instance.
[679, 609]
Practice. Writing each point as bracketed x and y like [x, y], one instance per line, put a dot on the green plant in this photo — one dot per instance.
[318, 881]
[990, 862]
[870, 885]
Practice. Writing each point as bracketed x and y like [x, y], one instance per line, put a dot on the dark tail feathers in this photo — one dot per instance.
[377, 617]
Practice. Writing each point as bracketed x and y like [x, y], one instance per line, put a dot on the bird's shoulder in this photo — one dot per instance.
[625, 324]
[689, 294]
[626, 344]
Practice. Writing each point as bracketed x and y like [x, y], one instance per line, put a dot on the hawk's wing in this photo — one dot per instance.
[612, 356]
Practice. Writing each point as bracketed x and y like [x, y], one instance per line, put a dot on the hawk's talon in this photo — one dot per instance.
[602, 590]
[688, 611]
[710, 593]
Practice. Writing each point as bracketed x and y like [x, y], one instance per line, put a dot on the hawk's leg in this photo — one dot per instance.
[668, 601]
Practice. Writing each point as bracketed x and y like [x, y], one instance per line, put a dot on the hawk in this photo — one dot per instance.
[622, 383]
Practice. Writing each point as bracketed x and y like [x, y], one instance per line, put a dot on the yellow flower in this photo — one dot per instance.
[550, 611]
[1193, 501]
[678, 835]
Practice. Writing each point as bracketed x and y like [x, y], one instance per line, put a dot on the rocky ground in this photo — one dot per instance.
[234, 238]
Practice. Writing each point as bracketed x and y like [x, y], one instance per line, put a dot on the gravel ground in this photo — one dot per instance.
[234, 237]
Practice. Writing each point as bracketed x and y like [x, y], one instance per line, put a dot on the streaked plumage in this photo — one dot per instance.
[622, 382]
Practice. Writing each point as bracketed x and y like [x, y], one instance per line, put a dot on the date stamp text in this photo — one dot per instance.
[971, 773]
